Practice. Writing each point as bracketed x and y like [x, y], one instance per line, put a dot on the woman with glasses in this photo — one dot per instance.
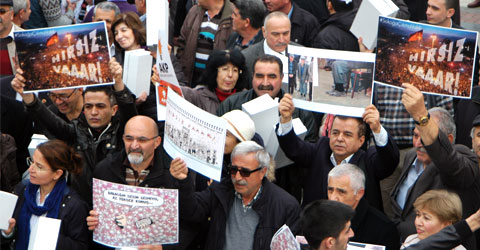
[224, 76]
[46, 194]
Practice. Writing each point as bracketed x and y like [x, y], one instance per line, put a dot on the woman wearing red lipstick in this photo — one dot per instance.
[224, 75]
[435, 210]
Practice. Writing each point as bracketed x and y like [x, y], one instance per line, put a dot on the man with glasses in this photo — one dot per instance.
[67, 103]
[139, 164]
[246, 209]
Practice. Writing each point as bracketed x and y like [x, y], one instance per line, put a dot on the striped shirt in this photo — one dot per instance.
[206, 38]
[395, 118]
[134, 178]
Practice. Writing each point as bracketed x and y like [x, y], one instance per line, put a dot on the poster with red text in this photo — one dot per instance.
[434, 59]
[130, 216]
[64, 57]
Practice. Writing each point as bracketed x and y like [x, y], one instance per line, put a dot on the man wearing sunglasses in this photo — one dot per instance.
[246, 209]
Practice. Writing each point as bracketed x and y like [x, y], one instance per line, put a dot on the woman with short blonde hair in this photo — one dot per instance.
[435, 210]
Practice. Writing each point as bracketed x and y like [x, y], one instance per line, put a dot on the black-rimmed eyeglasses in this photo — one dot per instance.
[62, 97]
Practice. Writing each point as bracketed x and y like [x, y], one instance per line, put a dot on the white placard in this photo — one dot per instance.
[8, 202]
[45, 235]
[157, 19]
[273, 148]
[36, 140]
[264, 112]
[365, 24]
[136, 71]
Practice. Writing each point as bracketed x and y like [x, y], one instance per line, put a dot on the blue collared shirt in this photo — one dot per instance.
[416, 169]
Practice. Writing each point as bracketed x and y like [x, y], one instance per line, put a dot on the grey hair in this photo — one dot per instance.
[274, 14]
[252, 9]
[107, 6]
[19, 5]
[356, 175]
[247, 147]
[472, 132]
[444, 121]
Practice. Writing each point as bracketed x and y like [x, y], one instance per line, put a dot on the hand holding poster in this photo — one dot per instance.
[194, 135]
[132, 216]
[64, 57]
[330, 81]
[434, 59]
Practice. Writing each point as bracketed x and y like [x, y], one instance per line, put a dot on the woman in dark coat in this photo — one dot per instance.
[46, 194]
[224, 75]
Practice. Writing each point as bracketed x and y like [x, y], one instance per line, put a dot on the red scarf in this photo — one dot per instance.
[223, 95]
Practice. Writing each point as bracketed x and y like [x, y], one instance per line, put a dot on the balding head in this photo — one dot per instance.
[141, 139]
[142, 122]
[276, 31]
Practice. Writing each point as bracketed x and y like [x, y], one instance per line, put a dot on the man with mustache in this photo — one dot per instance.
[434, 163]
[276, 31]
[141, 163]
[343, 145]
[245, 209]
[267, 79]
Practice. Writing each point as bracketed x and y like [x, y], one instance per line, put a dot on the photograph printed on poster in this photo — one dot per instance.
[434, 59]
[330, 81]
[64, 57]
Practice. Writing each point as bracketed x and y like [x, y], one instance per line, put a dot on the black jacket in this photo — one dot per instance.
[335, 33]
[275, 207]
[304, 26]
[377, 163]
[78, 133]
[73, 212]
[236, 100]
[372, 226]
[232, 39]
[112, 169]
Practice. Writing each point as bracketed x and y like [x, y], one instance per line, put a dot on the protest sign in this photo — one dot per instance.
[44, 235]
[132, 216]
[365, 24]
[64, 57]
[284, 239]
[166, 74]
[194, 135]
[330, 81]
[8, 201]
[157, 19]
[434, 59]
